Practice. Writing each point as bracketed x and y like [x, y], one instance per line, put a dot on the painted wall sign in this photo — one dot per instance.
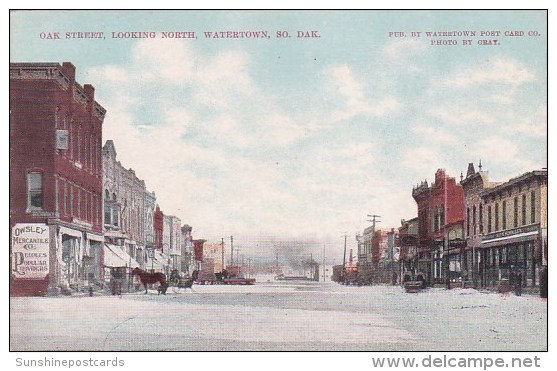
[30, 251]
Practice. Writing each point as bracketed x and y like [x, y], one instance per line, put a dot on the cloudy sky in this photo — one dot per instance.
[301, 138]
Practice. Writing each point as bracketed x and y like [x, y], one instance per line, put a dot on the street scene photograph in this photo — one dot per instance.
[278, 181]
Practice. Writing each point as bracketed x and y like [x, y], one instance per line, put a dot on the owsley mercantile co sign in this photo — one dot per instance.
[30, 251]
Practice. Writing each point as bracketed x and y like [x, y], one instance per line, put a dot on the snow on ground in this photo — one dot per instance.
[282, 316]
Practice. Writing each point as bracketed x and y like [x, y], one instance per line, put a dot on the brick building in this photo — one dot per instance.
[440, 220]
[55, 180]
[514, 239]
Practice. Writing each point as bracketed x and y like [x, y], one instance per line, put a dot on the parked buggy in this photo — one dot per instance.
[413, 284]
[177, 282]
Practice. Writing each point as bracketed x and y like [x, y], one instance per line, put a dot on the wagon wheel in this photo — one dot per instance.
[175, 285]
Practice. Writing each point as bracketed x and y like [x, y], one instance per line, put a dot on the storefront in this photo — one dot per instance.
[515, 253]
[78, 258]
[117, 268]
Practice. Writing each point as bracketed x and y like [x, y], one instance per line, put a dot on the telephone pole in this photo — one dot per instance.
[344, 259]
[222, 253]
[344, 256]
[231, 250]
[372, 271]
[373, 220]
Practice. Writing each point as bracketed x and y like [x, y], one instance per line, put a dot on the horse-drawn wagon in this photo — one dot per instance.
[177, 282]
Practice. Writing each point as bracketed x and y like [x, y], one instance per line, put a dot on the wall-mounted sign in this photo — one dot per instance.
[30, 251]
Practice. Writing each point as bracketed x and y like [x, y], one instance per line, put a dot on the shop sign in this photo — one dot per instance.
[512, 232]
[457, 243]
[30, 251]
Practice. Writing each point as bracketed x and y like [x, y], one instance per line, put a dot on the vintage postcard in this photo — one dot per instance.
[258, 180]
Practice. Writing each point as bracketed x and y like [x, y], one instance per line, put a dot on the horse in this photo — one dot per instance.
[148, 278]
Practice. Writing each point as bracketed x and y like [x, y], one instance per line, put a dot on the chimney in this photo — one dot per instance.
[89, 91]
[68, 69]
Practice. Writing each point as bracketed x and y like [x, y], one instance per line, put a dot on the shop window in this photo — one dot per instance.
[503, 255]
[34, 191]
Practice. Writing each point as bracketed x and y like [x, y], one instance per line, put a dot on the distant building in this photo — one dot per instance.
[158, 226]
[212, 257]
[408, 234]
[188, 261]
[172, 243]
[365, 265]
[55, 180]
[385, 263]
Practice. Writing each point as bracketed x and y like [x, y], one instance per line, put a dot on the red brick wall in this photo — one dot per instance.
[34, 106]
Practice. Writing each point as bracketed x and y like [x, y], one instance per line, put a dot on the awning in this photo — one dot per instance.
[115, 234]
[71, 232]
[95, 237]
[115, 257]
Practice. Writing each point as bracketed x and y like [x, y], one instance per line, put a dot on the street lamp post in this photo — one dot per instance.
[152, 257]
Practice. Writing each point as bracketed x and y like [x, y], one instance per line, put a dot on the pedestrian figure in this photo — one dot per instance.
[518, 284]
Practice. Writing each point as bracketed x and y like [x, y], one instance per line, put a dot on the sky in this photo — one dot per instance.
[298, 139]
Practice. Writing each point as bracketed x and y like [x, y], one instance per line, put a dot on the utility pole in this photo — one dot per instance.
[344, 256]
[222, 253]
[344, 259]
[231, 250]
[373, 221]
[238, 259]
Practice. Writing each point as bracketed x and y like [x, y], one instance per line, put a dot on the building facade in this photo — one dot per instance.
[514, 233]
[365, 266]
[128, 217]
[440, 211]
[188, 261]
[172, 243]
[473, 185]
[408, 234]
[55, 180]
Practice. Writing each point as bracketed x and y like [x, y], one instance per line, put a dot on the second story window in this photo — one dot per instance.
[34, 191]
[489, 219]
[504, 214]
[481, 216]
[533, 207]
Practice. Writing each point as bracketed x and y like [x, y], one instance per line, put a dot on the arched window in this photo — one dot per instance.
[115, 211]
[107, 209]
